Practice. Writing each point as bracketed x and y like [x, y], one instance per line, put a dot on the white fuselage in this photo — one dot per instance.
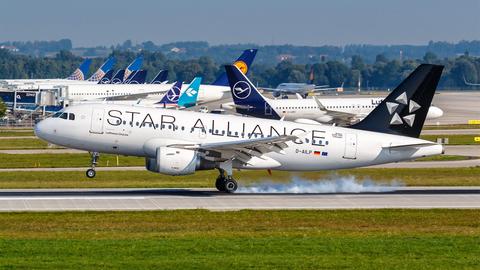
[75, 93]
[128, 130]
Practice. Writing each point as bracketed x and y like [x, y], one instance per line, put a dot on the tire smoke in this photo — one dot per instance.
[333, 184]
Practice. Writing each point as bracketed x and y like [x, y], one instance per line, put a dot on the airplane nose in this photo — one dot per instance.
[40, 129]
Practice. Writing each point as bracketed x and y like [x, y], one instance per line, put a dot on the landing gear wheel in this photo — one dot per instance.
[220, 183]
[230, 185]
[90, 173]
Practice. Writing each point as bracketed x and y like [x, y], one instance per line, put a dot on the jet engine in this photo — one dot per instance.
[176, 161]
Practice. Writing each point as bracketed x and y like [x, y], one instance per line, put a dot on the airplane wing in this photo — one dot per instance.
[242, 150]
[342, 117]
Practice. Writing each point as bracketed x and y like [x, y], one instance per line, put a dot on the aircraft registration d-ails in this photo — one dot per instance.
[179, 142]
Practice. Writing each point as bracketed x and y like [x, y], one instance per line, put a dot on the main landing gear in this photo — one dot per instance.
[225, 183]
[91, 172]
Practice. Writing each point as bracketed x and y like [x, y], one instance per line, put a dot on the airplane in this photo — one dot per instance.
[299, 88]
[107, 78]
[102, 70]
[160, 78]
[136, 77]
[134, 66]
[469, 83]
[343, 111]
[190, 95]
[207, 93]
[179, 142]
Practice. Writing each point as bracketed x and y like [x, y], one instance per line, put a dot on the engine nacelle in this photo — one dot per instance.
[173, 161]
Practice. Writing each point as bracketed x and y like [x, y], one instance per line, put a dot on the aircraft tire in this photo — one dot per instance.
[230, 185]
[90, 173]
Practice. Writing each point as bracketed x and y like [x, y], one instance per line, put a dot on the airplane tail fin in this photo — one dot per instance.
[243, 63]
[81, 72]
[107, 78]
[104, 68]
[245, 95]
[171, 97]
[189, 97]
[138, 77]
[118, 77]
[403, 112]
[160, 78]
[134, 66]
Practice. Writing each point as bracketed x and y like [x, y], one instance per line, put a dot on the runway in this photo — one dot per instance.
[171, 199]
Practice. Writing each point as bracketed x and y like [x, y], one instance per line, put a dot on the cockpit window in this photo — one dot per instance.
[71, 116]
[64, 115]
[57, 114]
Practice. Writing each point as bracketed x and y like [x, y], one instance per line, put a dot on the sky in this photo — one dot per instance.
[263, 22]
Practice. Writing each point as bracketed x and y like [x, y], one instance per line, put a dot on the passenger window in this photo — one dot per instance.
[71, 116]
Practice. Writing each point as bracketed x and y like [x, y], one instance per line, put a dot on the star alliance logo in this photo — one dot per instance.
[412, 107]
[241, 90]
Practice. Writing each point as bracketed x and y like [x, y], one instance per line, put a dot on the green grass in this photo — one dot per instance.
[445, 158]
[14, 144]
[460, 126]
[145, 179]
[198, 239]
[64, 160]
[454, 139]
[16, 133]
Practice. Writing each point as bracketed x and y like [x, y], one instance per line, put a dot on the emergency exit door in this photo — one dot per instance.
[350, 146]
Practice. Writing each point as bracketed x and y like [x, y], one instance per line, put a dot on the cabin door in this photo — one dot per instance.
[350, 146]
[97, 121]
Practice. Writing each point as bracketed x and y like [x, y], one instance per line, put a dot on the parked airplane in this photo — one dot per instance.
[136, 77]
[177, 142]
[207, 93]
[103, 69]
[249, 101]
[134, 66]
[161, 77]
[302, 89]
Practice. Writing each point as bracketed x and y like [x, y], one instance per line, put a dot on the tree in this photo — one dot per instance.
[429, 57]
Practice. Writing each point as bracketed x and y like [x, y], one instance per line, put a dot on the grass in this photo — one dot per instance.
[454, 139]
[460, 126]
[16, 133]
[14, 144]
[198, 239]
[145, 179]
[64, 160]
[445, 158]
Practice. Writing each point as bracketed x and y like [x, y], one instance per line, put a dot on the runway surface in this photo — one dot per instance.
[471, 131]
[169, 199]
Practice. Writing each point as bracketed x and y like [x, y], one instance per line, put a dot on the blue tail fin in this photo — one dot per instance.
[189, 97]
[137, 77]
[107, 78]
[81, 72]
[171, 97]
[161, 77]
[134, 66]
[106, 67]
[118, 78]
[246, 97]
[243, 63]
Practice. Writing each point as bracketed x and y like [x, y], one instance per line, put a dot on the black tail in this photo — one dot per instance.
[403, 112]
[161, 77]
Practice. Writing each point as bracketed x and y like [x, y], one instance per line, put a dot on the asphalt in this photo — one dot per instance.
[171, 199]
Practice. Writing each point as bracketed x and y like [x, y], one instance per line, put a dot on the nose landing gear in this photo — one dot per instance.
[90, 173]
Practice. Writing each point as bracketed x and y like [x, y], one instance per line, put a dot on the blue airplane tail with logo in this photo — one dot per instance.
[107, 78]
[171, 97]
[189, 97]
[160, 78]
[134, 66]
[246, 97]
[104, 68]
[118, 77]
[81, 72]
[243, 63]
[137, 77]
